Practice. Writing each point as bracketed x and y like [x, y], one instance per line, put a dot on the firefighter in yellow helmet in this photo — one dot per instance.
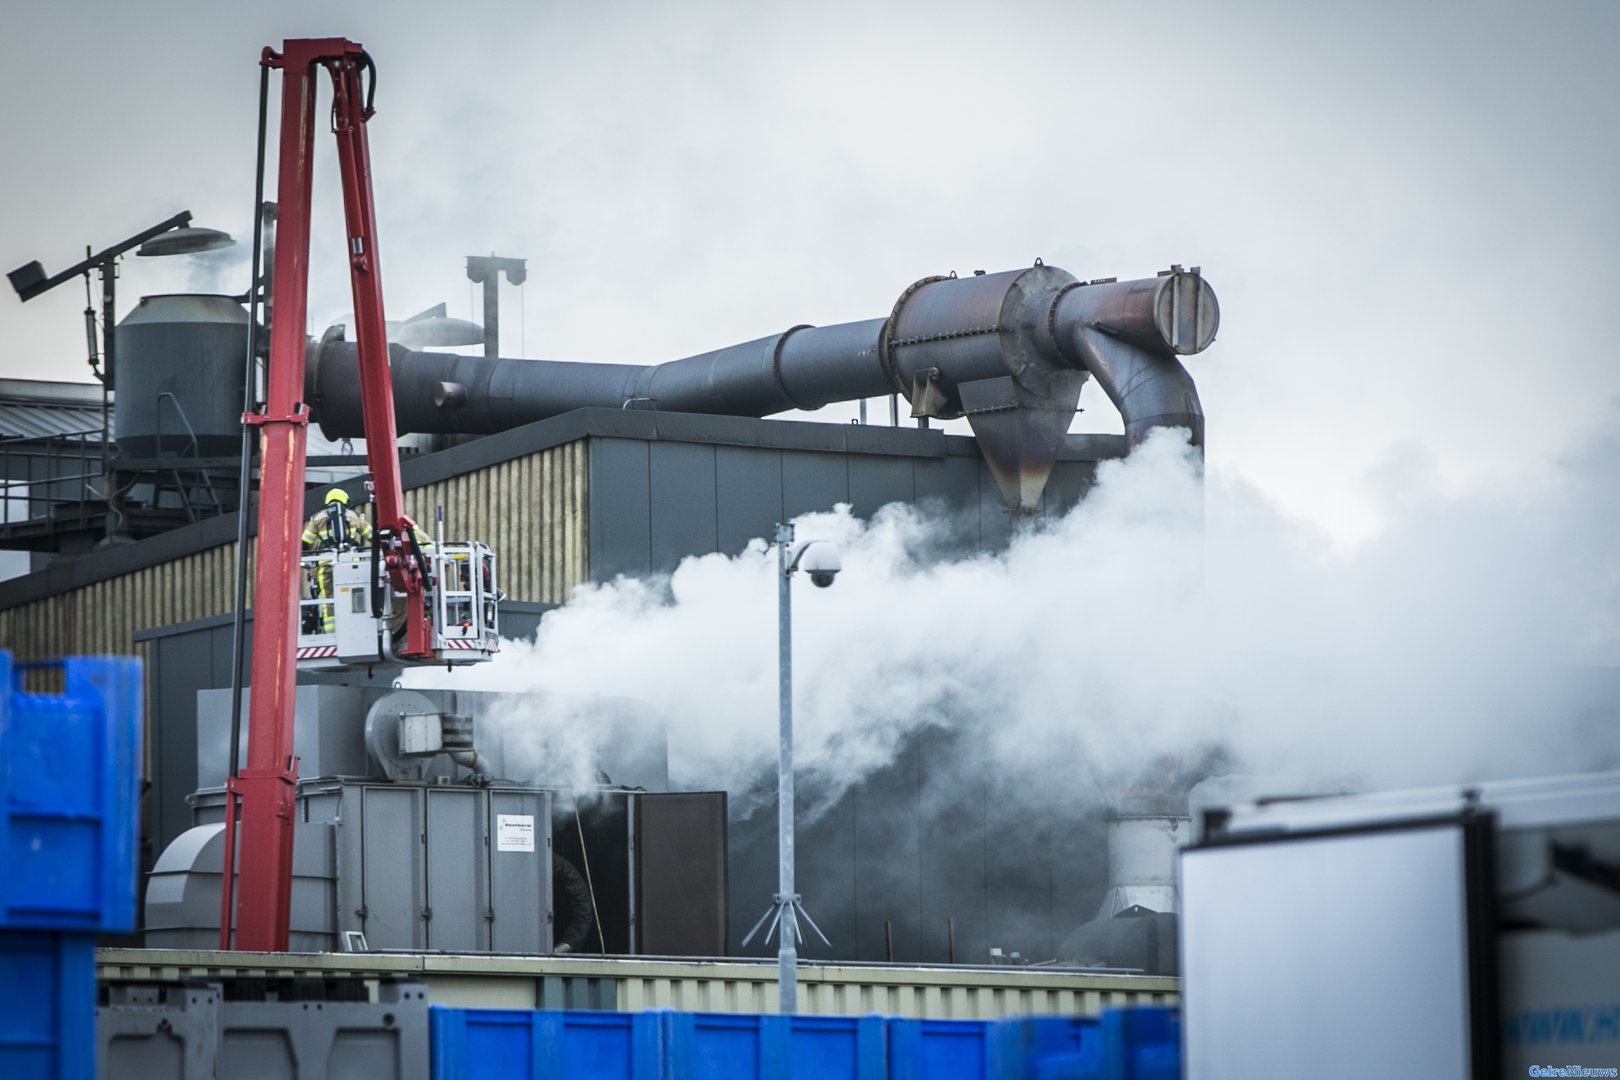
[334, 527]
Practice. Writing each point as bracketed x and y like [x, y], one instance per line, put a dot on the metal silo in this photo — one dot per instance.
[179, 377]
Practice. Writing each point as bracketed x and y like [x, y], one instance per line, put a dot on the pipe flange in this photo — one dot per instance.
[776, 368]
[1026, 310]
[1051, 313]
[886, 345]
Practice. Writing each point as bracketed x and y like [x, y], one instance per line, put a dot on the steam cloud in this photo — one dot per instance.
[1133, 638]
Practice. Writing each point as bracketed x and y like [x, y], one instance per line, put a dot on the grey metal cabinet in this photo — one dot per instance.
[442, 868]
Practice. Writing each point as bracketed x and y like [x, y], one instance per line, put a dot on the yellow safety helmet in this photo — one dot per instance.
[338, 495]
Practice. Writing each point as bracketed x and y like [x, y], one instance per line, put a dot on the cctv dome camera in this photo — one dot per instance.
[820, 560]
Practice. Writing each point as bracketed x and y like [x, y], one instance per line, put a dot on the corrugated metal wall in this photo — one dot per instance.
[931, 993]
[103, 617]
[510, 982]
[532, 511]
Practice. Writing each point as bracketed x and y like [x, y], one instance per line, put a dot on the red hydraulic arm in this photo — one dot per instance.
[266, 787]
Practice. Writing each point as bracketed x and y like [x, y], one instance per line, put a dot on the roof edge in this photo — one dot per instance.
[103, 564]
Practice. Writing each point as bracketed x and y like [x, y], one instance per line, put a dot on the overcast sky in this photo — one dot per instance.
[1407, 210]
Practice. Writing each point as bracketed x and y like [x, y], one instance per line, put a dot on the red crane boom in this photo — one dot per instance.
[266, 788]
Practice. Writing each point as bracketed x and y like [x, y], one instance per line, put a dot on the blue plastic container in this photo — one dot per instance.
[1046, 1048]
[69, 765]
[939, 1049]
[482, 1044]
[745, 1046]
[1141, 1043]
[47, 1006]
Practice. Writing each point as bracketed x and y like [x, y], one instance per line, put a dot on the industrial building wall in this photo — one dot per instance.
[103, 617]
[929, 860]
[530, 510]
[932, 859]
[655, 501]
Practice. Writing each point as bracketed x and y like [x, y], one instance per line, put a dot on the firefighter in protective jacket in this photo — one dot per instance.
[334, 527]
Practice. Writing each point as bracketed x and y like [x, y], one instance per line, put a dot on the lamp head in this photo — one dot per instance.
[186, 241]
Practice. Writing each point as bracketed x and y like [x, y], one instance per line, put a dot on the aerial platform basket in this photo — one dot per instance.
[349, 617]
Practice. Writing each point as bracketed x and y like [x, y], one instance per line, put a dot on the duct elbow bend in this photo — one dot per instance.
[1129, 334]
[1149, 390]
[483, 775]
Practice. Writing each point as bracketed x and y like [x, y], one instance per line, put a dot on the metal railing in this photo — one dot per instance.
[52, 479]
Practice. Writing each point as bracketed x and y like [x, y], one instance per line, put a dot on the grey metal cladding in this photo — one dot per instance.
[888, 891]
[519, 621]
[952, 481]
[874, 482]
[748, 495]
[953, 860]
[825, 851]
[520, 881]
[1067, 485]
[684, 501]
[390, 866]
[1018, 884]
[456, 892]
[621, 508]
[180, 665]
[996, 524]
[813, 481]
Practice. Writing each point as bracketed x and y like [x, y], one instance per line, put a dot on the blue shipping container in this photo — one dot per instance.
[47, 1006]
[69, 797]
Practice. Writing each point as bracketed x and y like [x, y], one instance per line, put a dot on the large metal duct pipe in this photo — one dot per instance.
[1008, 351]
[804, 368]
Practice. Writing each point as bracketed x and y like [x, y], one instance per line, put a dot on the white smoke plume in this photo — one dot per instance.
[1135, 637]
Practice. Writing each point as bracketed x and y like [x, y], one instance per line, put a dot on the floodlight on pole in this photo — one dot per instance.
[174, 236]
